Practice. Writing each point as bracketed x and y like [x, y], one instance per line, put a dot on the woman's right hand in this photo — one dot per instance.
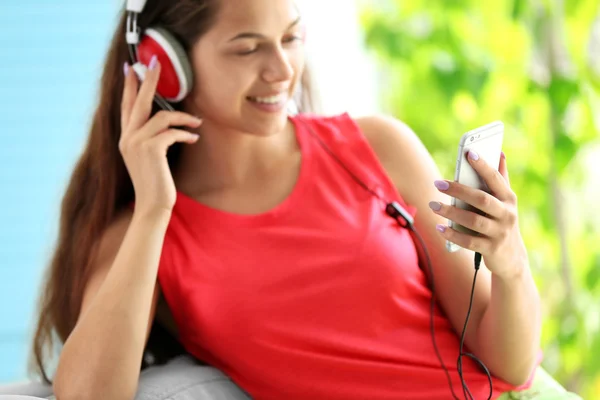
[144, 142]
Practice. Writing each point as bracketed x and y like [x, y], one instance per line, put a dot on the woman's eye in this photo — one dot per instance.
[291, 39]
[248, 52]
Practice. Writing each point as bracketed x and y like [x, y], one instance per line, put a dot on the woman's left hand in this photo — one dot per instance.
[499, 240]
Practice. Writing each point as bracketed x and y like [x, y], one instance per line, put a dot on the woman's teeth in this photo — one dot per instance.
[269, 100]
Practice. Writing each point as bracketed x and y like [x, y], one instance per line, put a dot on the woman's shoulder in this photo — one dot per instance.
[399, 150]
[403, 155]
[379, 129]
[391, 139]
[387, 135]
[396, 146]
[344, 128]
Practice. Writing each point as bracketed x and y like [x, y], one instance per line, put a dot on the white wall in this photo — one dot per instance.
[344, 75]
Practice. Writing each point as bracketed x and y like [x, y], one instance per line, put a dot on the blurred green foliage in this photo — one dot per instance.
[446, 67]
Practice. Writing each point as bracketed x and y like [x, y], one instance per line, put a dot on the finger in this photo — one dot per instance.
[167, 138]
[130, 86]
[474, 197]
[490, 175]
[164, 120]
[478, 244]
[476, 222]
[503, 169]
[143, 103]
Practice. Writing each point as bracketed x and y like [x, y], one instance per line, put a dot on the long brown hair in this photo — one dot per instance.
[100, 187]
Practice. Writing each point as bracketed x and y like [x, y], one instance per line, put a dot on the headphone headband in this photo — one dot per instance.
[135, 5]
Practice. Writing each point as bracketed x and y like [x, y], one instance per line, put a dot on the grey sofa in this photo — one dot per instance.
[182, 378]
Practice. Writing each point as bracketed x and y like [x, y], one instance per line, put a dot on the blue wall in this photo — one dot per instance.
[51, 54]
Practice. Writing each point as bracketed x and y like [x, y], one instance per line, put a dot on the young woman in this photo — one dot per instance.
[248, 235]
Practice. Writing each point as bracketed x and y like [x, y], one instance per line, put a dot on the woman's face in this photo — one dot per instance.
[247, 65]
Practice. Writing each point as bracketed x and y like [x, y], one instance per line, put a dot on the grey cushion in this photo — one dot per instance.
[25, 389]
[182, 378]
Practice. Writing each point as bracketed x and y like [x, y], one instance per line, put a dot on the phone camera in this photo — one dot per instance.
[472, 138]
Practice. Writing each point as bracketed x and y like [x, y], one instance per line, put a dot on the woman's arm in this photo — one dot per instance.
[101, 358]
[505, 323]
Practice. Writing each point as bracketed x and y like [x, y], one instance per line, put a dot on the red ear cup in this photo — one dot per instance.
[176, 78]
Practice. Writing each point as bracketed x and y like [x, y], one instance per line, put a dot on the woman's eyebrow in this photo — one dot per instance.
[253, 35]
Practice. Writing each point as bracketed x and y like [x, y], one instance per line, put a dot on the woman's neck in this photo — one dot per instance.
[224, 159]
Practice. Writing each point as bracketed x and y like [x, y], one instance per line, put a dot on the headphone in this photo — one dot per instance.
[176, 77]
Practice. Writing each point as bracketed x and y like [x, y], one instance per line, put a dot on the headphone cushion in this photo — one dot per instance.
[176, 78]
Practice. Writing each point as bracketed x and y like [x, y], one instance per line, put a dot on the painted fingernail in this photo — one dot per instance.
[435, 205]
[153, 62]
[440, 228]
[442, 185]
[473, 155]
[125, 68]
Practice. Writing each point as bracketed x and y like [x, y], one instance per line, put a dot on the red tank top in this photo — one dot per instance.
[319, 298]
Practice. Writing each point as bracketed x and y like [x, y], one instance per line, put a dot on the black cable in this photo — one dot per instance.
[477, 261]
[397, 214]
[465, 387]
[341, 164]
[432, 308]
[466, 391]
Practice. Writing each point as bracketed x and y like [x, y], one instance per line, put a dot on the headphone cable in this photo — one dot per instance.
[398, 213]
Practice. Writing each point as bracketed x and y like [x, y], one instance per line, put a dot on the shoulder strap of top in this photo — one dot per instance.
[343, 139]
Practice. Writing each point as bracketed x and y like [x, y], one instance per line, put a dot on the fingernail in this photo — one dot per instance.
[442, 185]
[473, 155]
[435, 205]
[153, 62]
[126, 68]
[441, 228]
[503, 155]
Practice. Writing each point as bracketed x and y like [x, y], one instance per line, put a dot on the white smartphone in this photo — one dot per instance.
[487, 142]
